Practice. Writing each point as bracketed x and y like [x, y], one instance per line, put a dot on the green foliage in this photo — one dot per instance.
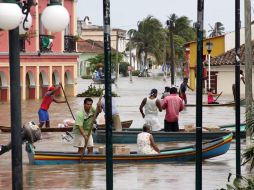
[86, 77]
[240, 183]
[135, 73]
[92, 91]
[99, 60]
[123, 68]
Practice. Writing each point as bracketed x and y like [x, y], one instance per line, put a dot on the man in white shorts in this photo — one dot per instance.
[82, 126]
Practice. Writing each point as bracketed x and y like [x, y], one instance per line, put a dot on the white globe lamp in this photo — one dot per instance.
[55, 18]
[28, 23]
[10, 16]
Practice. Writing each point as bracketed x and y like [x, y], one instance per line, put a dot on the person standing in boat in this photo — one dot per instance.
[210, 97]
[152, 106]
[117, 125]
[242, 78]
[84, 119]
[48, 98]
[166, 92]
[173, 104]
[183, 88]
[145, 142]
[30, 132]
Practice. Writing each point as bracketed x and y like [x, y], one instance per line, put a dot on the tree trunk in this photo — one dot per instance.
[172, 57]
[248, 70]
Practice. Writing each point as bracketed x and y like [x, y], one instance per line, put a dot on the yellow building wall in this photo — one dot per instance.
[218, 49]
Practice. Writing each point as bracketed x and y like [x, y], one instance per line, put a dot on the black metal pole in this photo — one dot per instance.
[172, 68]
[17, 173]
[237, 87]
[108, 93]
[199, 75]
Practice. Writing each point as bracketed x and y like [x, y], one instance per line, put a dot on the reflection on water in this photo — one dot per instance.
[178, 176]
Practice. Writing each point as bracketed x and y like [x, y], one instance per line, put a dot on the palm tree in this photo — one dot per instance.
[217, 30]
[147, 38]
[182, 33]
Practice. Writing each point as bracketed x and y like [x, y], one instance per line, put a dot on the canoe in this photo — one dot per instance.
[204, 104]
[130, 136]
[210, 149]
[125, 125]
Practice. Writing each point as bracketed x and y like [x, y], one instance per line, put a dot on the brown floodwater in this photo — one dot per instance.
[178, 176]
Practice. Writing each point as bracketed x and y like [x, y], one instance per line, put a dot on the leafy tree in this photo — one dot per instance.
[147, 38]
[98, 61]
[217, 30]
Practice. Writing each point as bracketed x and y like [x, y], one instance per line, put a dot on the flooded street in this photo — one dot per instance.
[177, 176]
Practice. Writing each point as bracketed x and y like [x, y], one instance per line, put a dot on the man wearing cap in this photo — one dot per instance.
[152, 106]
[47, 100]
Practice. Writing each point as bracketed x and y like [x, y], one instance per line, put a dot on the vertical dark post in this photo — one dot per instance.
[199, 69]
[237, 87]
[17, 173]
[171, 26]
[108, 97]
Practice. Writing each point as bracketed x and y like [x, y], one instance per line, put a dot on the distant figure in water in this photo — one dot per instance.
[30, 132]
[210, 97]
[145, 142]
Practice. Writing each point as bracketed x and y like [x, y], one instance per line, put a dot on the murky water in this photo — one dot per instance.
[178, 176]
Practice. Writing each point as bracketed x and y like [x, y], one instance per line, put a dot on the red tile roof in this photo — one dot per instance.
[90, 46]
[228, 58]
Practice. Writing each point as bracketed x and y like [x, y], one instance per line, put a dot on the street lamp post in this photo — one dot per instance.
[10, 19]
[209, 47]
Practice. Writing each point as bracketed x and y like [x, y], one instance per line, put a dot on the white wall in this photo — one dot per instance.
[230, 38]
[226, 77]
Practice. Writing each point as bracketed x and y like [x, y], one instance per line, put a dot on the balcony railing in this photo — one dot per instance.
[70, 43]
[46, 42]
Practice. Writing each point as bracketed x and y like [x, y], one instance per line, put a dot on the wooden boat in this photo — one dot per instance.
[210, 149]
[205, 104]
[130, 136]
[125, 125]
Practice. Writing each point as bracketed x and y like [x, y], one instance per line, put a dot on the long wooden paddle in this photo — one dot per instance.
[90, 130]
[67, 101]
[218, 96]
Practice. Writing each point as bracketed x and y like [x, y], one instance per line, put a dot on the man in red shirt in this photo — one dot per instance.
[47, 100]
[173, 104]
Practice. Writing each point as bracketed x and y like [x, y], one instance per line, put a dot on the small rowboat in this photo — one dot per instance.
[210, 149]
[130, 136]
[125, 125]
[205, 104]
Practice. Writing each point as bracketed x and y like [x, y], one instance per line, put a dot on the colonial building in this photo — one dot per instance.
[45, 59]
[221, 45]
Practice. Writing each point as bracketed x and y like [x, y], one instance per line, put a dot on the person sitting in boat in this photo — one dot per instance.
[99, 75]
[145, 142]
[30, 132]
[210, 97]
[152, 105]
